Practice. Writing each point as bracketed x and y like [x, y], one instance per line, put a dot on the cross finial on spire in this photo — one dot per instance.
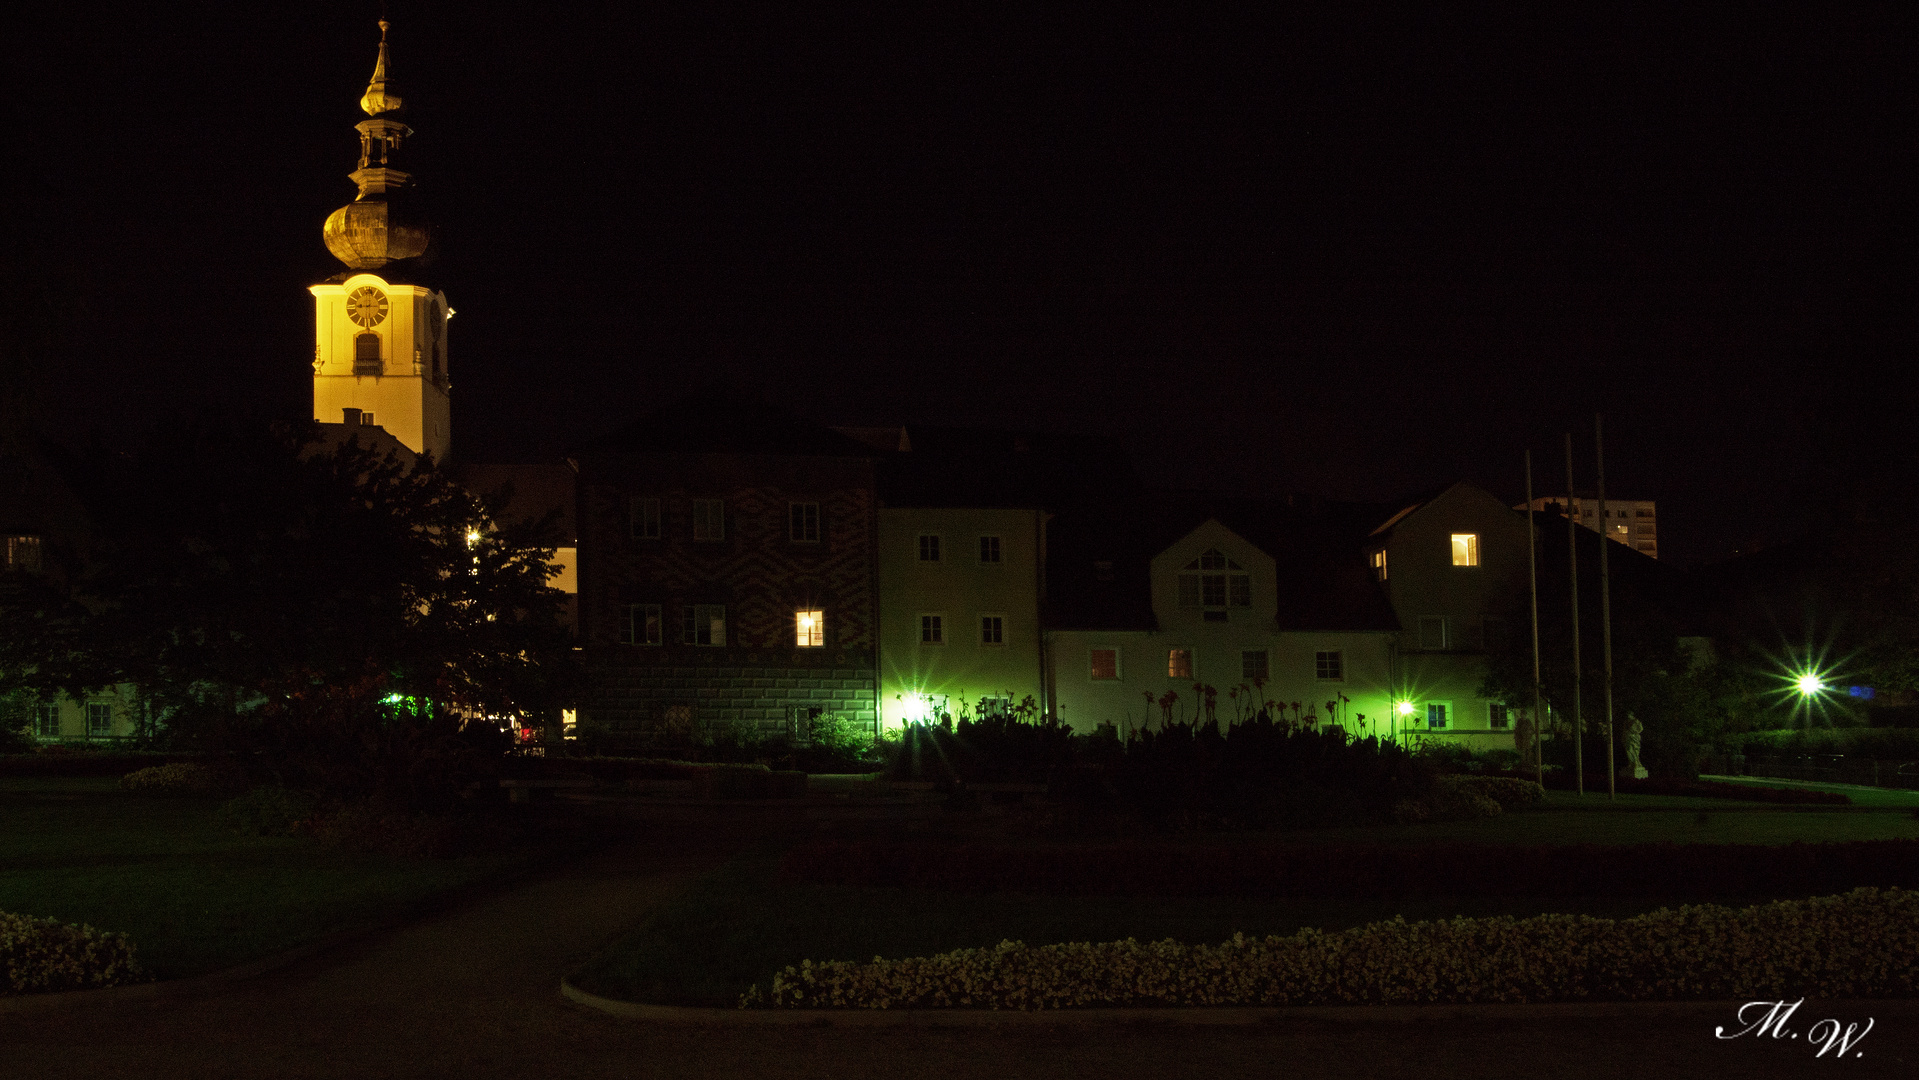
[378, 98]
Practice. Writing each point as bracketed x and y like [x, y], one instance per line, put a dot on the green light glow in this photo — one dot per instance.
[1809, 684]
[1404, 708]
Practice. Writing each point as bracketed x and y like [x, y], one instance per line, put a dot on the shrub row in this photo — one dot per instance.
[39, 956]
[1658, 870]
[1864, 944]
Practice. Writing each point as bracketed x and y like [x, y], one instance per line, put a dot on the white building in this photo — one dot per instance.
[1632, 522]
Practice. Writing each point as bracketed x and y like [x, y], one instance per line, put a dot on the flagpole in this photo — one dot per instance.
[1572, 575]
[1532, 574]
[1605, 600]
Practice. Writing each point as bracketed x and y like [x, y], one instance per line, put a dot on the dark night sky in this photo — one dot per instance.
[1355, 256]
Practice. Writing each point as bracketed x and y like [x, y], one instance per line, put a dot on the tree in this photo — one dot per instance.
[246, 576]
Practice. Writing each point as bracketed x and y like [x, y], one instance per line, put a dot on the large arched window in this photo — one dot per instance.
[366, 355]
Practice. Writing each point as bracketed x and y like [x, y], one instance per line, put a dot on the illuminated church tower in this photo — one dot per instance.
[379, 353]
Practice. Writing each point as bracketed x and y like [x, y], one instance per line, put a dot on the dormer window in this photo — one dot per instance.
[1215, 583]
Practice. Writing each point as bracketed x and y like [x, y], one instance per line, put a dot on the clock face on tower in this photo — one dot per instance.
[366, 306]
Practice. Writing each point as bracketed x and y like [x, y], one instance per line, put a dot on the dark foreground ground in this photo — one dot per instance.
[474, 993]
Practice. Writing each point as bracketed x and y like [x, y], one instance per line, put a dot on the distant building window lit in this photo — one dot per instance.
[1254, 666]
[929, 549]
[1329, 666]
[1465, 549]
[703, 624]
[1379, 565]
[809, 628]
[21, 553]
[1104, 664]
[992, 630]
[709, 519]
[366, 355]
[803, 525]
[1179, 663]
[989, 549]
[932, 630]
[643, 518]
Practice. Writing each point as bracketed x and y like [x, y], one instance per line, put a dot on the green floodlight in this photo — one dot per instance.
[1404, 708]
[1809, 684]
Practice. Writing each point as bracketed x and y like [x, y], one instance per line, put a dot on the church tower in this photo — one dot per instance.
[379, 354]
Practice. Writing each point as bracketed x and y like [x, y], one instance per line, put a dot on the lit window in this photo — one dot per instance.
[1254, 666]
[46, 720]
[804, 526]
[99, 719]
[1432, 633]
[643, 518]
[1329, 666]
[1105, 664]
[1435, 715]
[21, 553]
[932, 630]
[1465, 549]
[1214, 581]
[809, 629]
[989, 549]
[709, 519]
[992, 630]
[1179, 663]
[929, 549]
[1379, 565]
[642, 625]
[703, 624]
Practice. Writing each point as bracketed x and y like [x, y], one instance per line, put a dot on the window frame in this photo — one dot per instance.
[998, 630]
[46, 719]
[636, 618]
[1092, 669]
[1466, 554]
[22, 552]
[1192, 662]
[1265, 674]
[1197, 581]
[1499, 716]
[1379, 565]
[1444, 636]
[800, 518]
[990, 542]
[95, 709]
[714, 513]
[638, 507]
[932, 629]
[691, 625]
[1447, 717]
[816, 638]
[929, 548]
[1336, 659]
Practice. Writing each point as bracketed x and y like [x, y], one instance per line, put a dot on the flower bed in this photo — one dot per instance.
[1384, 871]
[40, 956]
[1863, 944]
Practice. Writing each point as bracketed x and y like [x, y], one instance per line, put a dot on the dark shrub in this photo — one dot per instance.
[267, 811]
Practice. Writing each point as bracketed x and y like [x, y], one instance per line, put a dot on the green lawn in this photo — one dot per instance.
[194, 896]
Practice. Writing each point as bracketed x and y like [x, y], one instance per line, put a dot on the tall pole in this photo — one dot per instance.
[1572, 575]
[1532, 574]
[1605, 600]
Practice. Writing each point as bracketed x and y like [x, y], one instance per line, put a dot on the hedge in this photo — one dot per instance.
[182, 778]
[1383, 871]
[1861, 945]
[41, 956]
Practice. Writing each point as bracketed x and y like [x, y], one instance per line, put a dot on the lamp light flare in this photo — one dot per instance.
[1809, 684]
[1405, 708]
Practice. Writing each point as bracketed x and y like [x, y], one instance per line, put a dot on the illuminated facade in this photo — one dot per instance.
[1632, 522]
[380, 350]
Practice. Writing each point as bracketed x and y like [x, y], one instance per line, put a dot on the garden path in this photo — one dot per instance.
[474, 993]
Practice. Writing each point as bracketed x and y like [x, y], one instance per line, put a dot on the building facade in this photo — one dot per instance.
[1632, 522]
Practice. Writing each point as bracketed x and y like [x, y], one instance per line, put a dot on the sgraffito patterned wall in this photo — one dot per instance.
[758, 677]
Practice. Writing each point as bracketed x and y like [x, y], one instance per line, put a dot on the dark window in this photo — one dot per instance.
[99, 719]
[1105, 664]
[642, 625]
[366, 355]
[1499, 716]
[46, 720]
[1330, 666]
[932, 632]
[1432, 633]
[1253, 666]
[989, 549]
[709, 519]
[703, 624]
[929, 549]
[643, 518]
[1435, 715]
[803, 526]
[21, 553]
[992, 630]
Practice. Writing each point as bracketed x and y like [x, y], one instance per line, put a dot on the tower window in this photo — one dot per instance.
[366, 355]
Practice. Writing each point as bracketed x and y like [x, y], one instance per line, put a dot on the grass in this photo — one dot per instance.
[195, 896]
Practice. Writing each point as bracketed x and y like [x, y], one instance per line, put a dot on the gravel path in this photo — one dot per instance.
[474, 993]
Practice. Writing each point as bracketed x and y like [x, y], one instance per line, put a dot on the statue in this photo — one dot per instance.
[1635, 731]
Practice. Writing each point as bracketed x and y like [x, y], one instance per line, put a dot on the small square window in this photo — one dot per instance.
[992, 630]
[703, 624]
[1435, 715]
[809, 628]
[929, 548]
[643, 518]
[1254, 666]
[989, 549]
[932, 630]
[1104, 665]
[99, 718]
[1179, 663]
[643, 625]
[709, 519]
[1329, 666]
[1465, 549]
[1432, 633]
[1498, 716]
[803, 526]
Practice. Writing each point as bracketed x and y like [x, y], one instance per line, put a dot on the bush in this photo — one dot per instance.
[39, 956]
[1861, 945]
[1673, 871]
[268, 811]
[1511, 793]
[181, 778]
[1883, 744]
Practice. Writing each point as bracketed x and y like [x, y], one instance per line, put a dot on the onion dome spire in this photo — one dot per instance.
[375, 229]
